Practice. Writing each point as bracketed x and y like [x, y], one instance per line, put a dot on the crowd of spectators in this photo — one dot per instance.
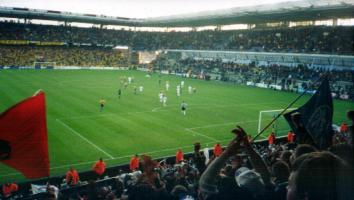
[290, 78]
[311, 39]
[242, 170]
[61, 56]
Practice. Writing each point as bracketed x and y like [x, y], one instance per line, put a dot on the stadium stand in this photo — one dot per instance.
[61, 55]
[288, 78]
[323, 39]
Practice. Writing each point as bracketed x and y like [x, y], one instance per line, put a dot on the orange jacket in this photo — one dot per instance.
[99, 167]
[8, 189]
[217, 150]
[179, 156]
[271, 139]
[72, 177]
[134, 163]
[291, 137]
[343, 128]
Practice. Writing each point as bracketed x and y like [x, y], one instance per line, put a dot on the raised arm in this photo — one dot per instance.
[257, 162]
[207, 182]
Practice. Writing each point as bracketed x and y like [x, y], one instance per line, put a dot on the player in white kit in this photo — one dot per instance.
[190, 89]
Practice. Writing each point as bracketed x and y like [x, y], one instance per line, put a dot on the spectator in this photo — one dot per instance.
[253, 183]
[286, 157]
[99, 167]
[179, 156]
[350, 115]
[271, 139]
[72, 177]
[303, 149]
[281, 173]
[291, 137]
[8, 189]
[199, 158]
[343, 128]
[217, 150]
[320, 175]
[134, 163]
[52, 190]
[344, 151]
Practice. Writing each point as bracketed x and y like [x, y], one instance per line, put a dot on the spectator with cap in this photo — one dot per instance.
[248, 180]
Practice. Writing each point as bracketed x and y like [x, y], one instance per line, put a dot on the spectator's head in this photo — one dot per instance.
[319, 175]
[250, 180]
[197, 147]
[285, 156]
[280, 171]
[303, 149]
[179, 191]
[344, 151]
[227, 171]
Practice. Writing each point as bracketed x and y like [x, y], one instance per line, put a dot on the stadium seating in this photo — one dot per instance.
[62, 56]
[311, 39]
[289, 78]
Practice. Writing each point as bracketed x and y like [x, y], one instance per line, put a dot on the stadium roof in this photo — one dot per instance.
[286, 11]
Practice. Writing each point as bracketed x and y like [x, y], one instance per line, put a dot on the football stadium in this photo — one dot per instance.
[180, 100]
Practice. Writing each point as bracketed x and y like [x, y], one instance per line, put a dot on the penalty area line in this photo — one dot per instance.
[84, 138]
[197, 133]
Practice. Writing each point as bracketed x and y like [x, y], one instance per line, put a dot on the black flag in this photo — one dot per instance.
[313, 120]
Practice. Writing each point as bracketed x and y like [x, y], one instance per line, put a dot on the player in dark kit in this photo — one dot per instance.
[102, 103]
[119, 93]
[184, 108]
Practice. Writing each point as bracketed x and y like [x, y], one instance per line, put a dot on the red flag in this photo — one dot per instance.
[23, 137]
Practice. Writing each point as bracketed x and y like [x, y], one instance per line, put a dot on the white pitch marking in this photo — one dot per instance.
[87, 140]
[214, 125]
[197, 133]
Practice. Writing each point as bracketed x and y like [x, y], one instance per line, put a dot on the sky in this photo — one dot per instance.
[134, 8]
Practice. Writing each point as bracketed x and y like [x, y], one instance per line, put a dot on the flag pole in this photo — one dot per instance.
[285, 109]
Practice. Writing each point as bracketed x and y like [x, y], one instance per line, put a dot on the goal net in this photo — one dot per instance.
[280, 126]
[43, 64]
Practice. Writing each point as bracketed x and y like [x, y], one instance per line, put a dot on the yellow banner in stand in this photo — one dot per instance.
[28, 42]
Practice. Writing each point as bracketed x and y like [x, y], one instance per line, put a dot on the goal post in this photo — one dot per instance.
[266, 116]
[43, 64]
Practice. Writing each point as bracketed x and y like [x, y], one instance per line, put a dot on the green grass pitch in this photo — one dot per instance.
[137, 123]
